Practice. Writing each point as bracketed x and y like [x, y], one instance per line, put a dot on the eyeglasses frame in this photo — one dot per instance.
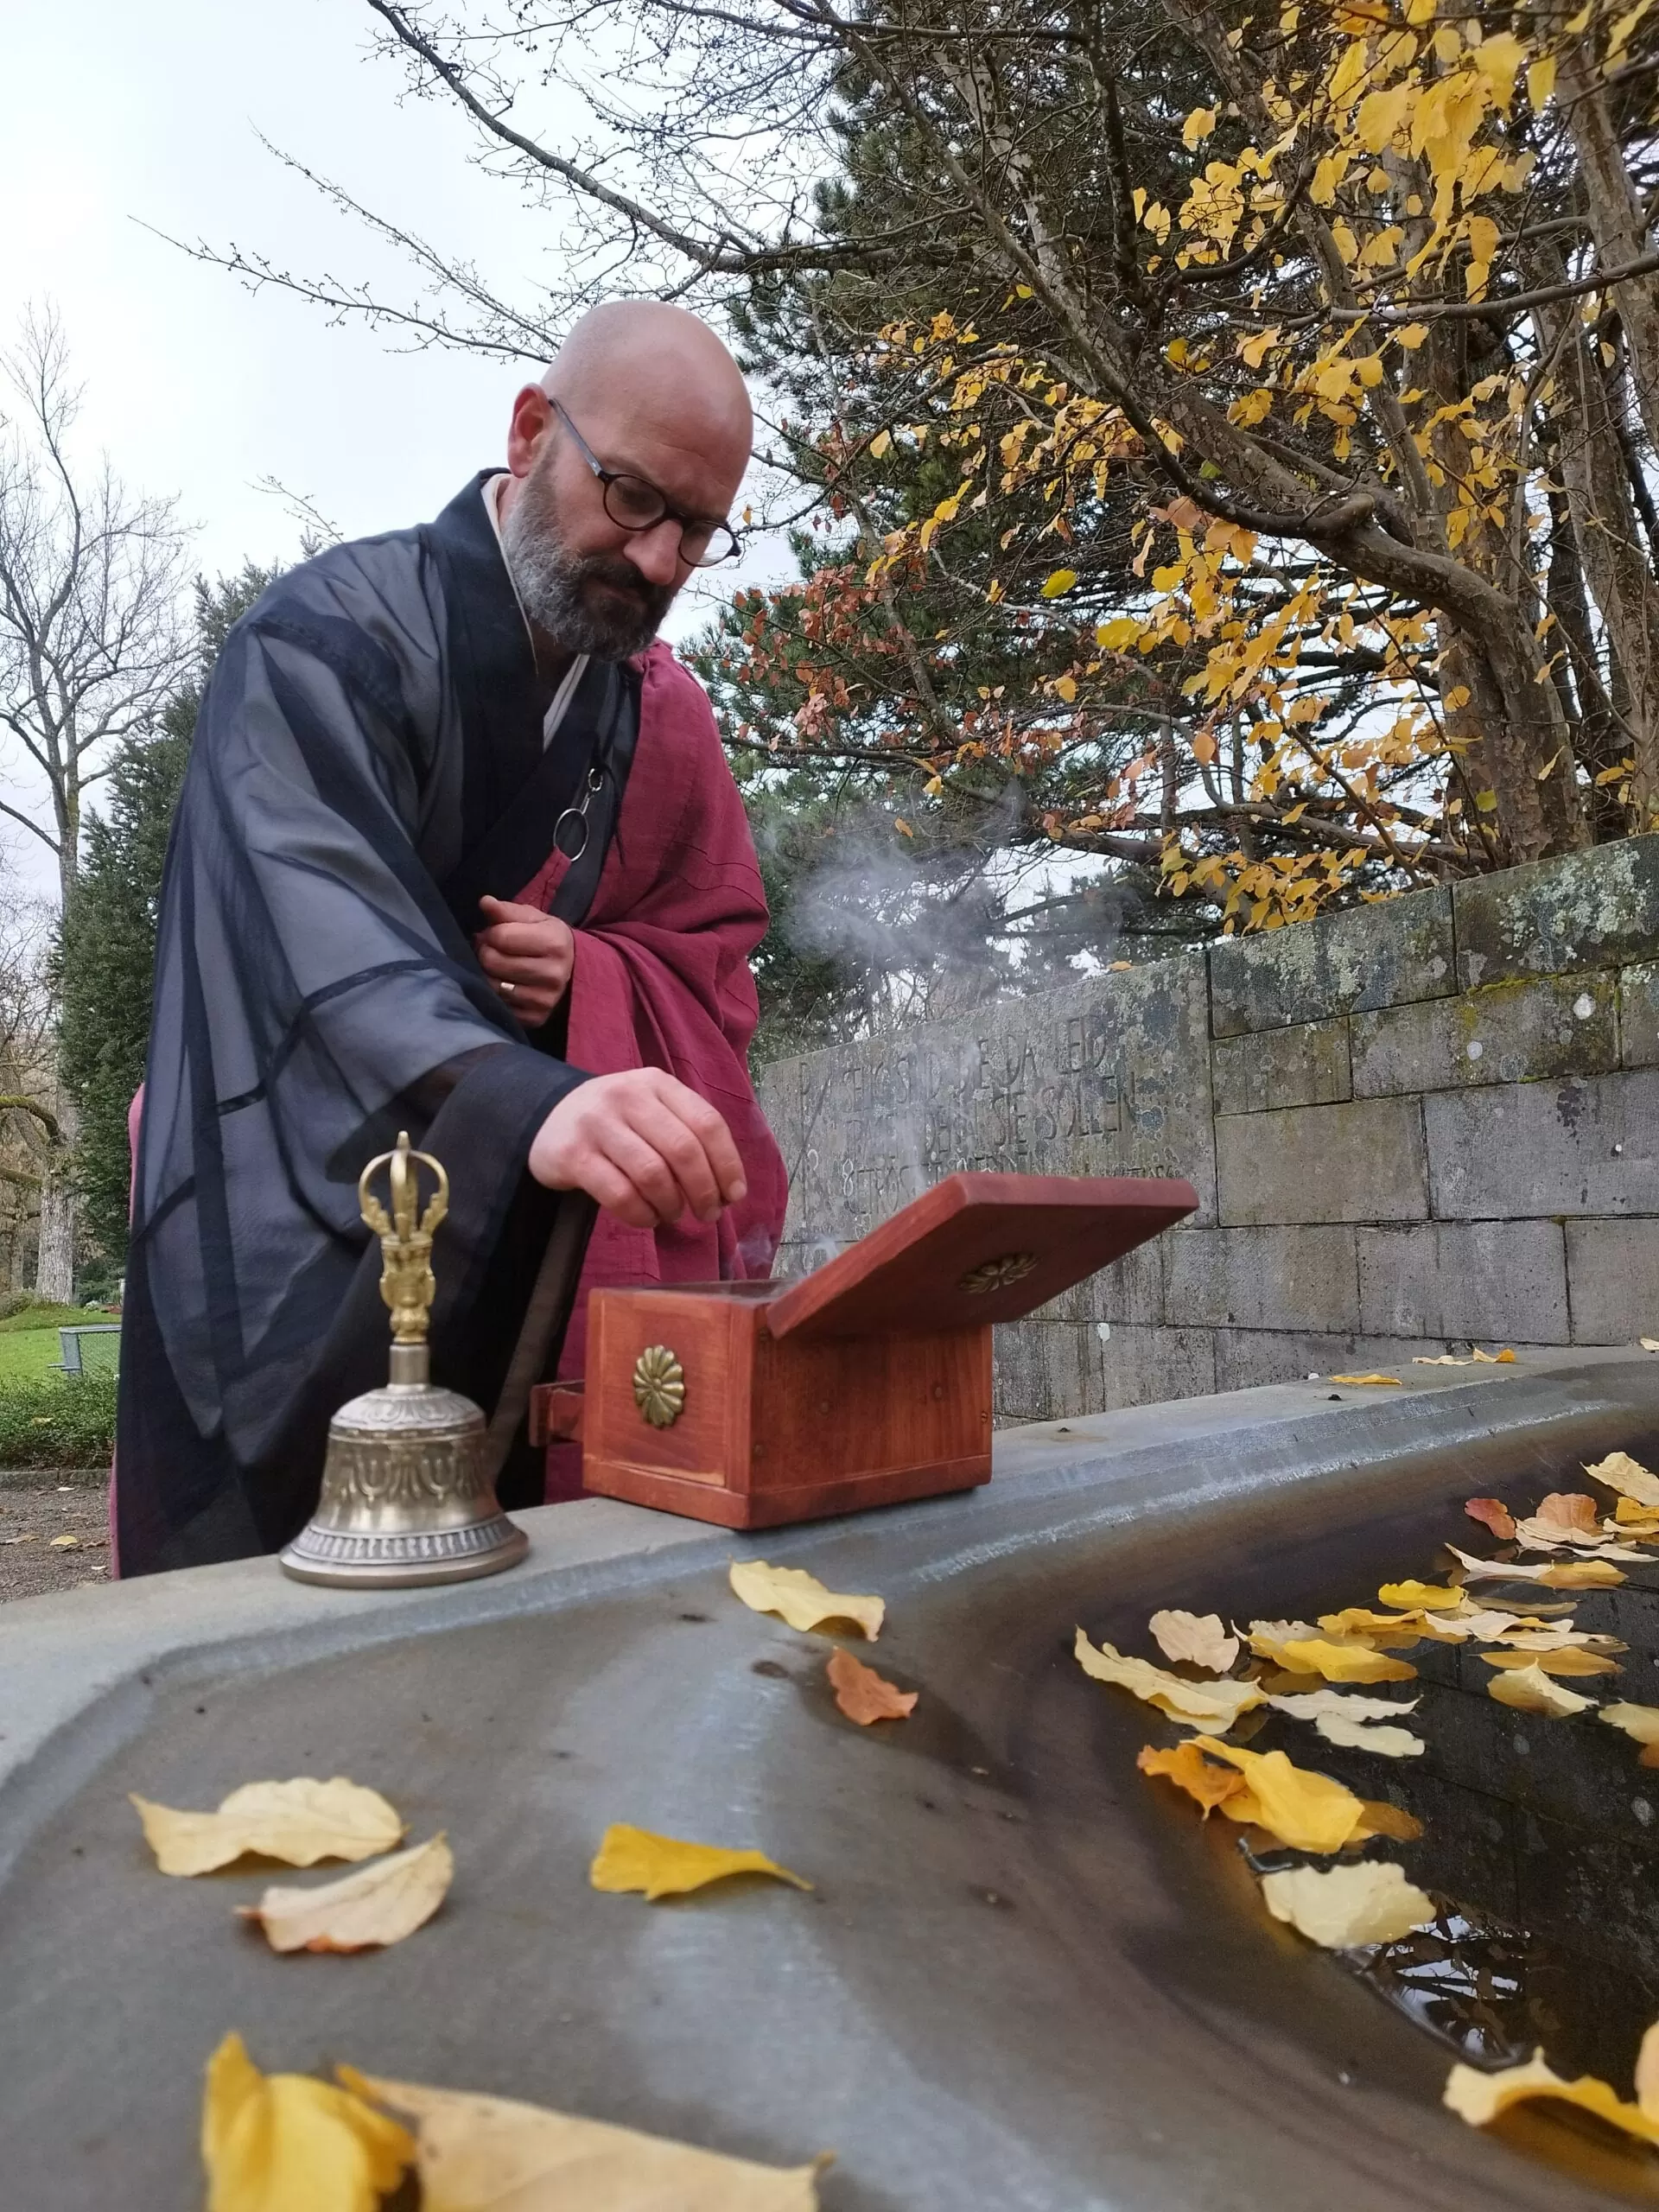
[606, 476]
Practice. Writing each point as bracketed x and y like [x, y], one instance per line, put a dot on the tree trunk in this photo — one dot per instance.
[54, 1265]
[1615, 218]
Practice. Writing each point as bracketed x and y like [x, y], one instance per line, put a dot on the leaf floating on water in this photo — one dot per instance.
[1345, 1663]
[1309, 1812]
[299, 1822]
[1268, 1639]
[1385, 1631]
[1309, 1704]
[1368, 1382]
[1479, 2098]
[1342, 1907]
[1368, 1736]
[377, 1906]
[1200, 1638]
[1627, 1476]
[1569, 1509]
[1189, 1770]
[1493, 1514]
[1418, 1597]
[1570, 1660]
[276, 2142]
[1571, 1574]
[801, 1599]
[1528, 1689]
[492, 2154]
[662, 1867]
[1197, 1705]
[1378, 1817]
[864, 1696]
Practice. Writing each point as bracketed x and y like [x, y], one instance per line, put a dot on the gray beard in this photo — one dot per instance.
[558, 589]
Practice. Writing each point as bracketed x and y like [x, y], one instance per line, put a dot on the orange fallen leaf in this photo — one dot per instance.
[863, 1695]
[1383, 1632]
[377, 1905]
[1189, 1770]
[1368, 1381]
[1493, 1514]
[663, 1865]
[1378, 1817]
[1505, 1358]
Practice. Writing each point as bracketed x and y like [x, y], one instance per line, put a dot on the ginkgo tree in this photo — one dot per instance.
[1296, 366]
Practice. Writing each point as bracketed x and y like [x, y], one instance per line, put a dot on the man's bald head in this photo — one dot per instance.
[638, 390]
[629, 359]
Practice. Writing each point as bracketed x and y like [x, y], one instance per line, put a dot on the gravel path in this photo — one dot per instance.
[36, 1508]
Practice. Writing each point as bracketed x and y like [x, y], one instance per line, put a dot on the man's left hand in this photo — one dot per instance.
[528, 951]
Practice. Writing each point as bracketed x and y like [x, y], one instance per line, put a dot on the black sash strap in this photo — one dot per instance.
[600, 731]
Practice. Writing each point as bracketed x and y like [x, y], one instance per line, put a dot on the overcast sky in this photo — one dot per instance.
[119, 116]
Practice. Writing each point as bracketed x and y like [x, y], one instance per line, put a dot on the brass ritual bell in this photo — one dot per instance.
[407, 1497]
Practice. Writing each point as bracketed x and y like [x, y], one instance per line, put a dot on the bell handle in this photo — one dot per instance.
[405, 1191]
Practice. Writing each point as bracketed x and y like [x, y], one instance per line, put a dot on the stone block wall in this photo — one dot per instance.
[1412, 1127]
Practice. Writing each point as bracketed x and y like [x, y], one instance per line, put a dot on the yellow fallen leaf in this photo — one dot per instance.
[801, 1599]
[65, 1543]
[379, 1904]
[1568, 1660]
[1377, 1817]
[1505, 1358]
[1197, 1705]
[1627, 1515]
[1189, 1770]
[662, 1866]
[1309, 1812]
[1479, 2098]
[1418, 1597]
[491, 2154]
[1198, 1637]
[1571, 1574]
[278, 2142]
[1268, 1639]
[1627, 1476]
[299, 1822]
[1345, 1663]
[1528, 1689]
[864, 1696]
[1371, 1381]
[1342, 1907]
[1384, 1631]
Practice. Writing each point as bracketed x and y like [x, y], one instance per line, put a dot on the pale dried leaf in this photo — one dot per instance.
[1437, 1359]
[801, 1599]
[1504, 1358]
[1197, 1705]
[1571, 1574]
[65, 1543]
[1647, 2072]
[864, 1696]
[1198, 1637]
[491, 2154]
[377, 1906]
[1641, 1721]
[1528, 1689]
[1309, 1812]
[1571, 1661]
[1648, 1343]
[1309, 1705]
[1479, 2098]
[1342, 1907]
[281, 2142]
[1367, 1382]
[1493, 1514]
[1627, 1476]
[663, 1865]
[299, 1822]
[1360, 1736]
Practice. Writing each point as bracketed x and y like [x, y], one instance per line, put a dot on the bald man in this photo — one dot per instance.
[458, 852]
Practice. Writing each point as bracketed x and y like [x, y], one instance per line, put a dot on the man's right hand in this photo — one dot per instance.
[641, 1144]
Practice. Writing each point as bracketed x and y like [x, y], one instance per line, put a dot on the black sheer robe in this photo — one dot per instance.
[368, 760]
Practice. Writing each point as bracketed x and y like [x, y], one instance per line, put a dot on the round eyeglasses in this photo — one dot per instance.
[635, 503]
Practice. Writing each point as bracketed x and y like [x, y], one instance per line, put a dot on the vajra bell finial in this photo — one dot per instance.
[407, 1282]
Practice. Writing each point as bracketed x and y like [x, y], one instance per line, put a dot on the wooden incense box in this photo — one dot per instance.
[753, 1404]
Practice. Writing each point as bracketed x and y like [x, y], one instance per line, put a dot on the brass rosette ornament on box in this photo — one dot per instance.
[407, 1495]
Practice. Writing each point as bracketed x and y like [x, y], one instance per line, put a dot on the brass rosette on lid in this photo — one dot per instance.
[660, 1386]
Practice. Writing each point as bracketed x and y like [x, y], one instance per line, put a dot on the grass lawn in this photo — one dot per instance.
[28, 1341]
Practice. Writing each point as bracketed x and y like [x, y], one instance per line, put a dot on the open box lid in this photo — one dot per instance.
[979, 1247]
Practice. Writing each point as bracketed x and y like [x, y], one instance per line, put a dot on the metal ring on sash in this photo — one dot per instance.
[578, 815]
